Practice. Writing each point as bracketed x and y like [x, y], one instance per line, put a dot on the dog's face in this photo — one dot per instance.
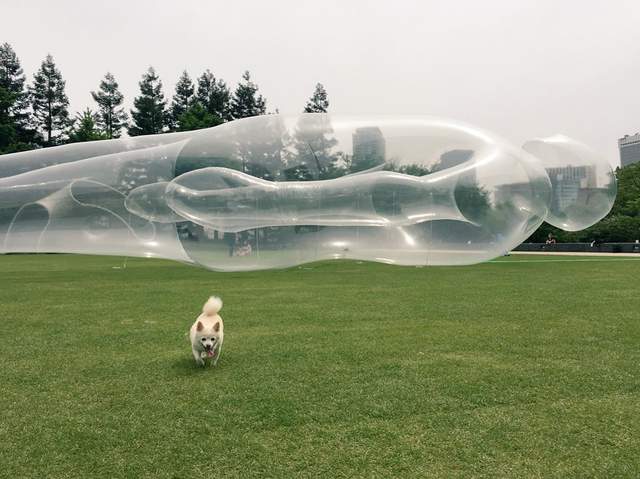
[207, 338]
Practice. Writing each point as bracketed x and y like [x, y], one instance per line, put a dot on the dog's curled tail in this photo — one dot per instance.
[212, 306]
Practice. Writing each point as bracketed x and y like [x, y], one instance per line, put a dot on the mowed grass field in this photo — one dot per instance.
[523, 367]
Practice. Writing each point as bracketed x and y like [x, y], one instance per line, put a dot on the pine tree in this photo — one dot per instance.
[182, 99]
[246, 102]
[15, 134]
[111, 117]
[49, 102]
[314, 143]
[85, 127]
[196, 117]
[149, 116]
[214, 96]
[263, 151]
[318, 103]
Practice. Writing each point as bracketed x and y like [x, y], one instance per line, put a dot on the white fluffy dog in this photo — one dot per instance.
[207, 333]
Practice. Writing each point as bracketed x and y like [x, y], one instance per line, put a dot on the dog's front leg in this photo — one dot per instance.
[197, 357]
[218, 352]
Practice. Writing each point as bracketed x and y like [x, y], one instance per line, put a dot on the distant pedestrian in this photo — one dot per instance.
[551, 239]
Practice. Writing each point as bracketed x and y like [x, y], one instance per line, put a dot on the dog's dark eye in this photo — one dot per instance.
[204, 339]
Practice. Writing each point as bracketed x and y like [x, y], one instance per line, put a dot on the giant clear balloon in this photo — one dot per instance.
[274, 191]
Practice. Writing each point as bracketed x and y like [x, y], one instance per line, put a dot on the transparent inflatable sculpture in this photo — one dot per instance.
[275, 191]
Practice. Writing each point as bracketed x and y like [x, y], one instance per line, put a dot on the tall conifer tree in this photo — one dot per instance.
[49, 103]
[149, 116]
[15, 134]
[318, 103]
[246, 101]
[111, 117]
[214, 96]
[183, 98]
[314, 142]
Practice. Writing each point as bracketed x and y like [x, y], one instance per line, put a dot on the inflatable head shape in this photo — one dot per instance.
[582, 183]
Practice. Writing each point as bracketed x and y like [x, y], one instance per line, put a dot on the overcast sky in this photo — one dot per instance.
[521, 68]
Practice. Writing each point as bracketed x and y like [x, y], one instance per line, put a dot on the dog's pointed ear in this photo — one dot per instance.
[216, 327]
[199, 326]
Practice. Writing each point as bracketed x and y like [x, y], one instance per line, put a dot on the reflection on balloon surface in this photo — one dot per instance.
[274, 191]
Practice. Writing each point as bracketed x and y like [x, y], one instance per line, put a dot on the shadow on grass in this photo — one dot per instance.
[186, 366]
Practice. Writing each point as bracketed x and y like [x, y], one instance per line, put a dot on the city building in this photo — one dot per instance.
[369, 148]
[568, 183]
[629, 146]
[452, 158]
[511, 192]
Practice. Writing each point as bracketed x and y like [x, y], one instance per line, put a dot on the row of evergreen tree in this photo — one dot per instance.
[37, 115]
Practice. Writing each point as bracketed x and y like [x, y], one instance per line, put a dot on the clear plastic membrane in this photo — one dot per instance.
[274, 191]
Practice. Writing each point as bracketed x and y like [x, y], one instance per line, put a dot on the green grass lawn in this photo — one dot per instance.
[507, 369]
